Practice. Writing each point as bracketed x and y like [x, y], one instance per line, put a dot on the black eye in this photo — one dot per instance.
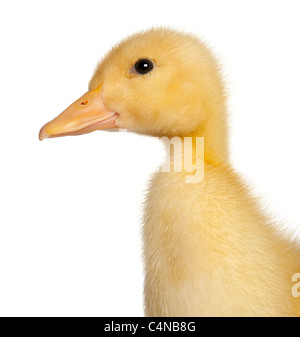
[143, 66]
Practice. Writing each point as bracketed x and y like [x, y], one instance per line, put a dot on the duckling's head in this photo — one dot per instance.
[160, 82]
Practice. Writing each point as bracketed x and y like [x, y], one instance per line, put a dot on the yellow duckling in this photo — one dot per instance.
[208, 248]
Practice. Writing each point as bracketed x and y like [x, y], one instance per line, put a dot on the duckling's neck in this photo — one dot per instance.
[214, 131]
[208, 144]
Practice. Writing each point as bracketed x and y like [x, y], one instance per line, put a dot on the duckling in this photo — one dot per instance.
[209, 249]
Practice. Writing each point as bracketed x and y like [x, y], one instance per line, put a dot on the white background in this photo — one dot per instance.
[70, 207]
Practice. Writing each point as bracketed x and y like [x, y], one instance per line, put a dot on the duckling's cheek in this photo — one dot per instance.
[112, 96]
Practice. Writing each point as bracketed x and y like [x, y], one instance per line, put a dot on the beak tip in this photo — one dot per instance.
[43, 134]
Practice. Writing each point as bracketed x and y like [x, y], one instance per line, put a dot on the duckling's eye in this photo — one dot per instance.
[143, 66]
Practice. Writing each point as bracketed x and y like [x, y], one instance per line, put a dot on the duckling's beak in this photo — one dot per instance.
[85, 115]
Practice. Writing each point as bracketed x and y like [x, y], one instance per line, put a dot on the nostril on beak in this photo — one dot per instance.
[84, 102]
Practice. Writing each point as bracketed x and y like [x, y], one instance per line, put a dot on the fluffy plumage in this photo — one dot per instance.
[209, 250]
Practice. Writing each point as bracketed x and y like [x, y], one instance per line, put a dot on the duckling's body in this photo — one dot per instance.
[209, 250]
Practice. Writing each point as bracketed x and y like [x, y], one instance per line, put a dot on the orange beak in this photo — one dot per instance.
[85, 115]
